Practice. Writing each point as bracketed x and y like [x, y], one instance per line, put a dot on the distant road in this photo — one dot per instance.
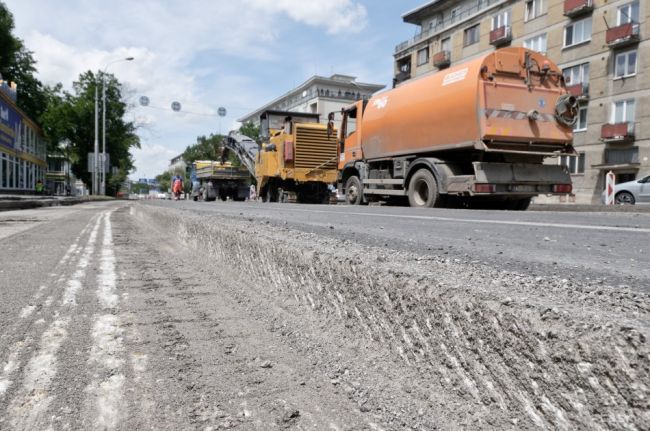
[611, 246]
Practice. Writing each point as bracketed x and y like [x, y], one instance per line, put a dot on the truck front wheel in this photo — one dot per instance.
[353, 191]
[423, 190]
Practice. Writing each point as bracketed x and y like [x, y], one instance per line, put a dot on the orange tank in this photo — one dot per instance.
[509, 97]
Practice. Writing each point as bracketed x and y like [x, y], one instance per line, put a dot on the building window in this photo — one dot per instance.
[472, 34]
[623, 111]
[423, 56]
[445, 44]
[628, 13]
[537, 43]
[455, 13]
[581, 124]
[533, 9]
[501, 19]
[577, 74]
[625, 64]
[577, 32]
[576, 165]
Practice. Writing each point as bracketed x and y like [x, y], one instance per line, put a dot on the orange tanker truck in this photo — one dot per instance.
[474, 135]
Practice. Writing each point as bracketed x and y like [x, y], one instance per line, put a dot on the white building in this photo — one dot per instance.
[318, 95]
[177, 164]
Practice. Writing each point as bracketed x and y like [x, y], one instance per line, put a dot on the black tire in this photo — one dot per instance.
[353, 191]
[423, 190]
[624, 198]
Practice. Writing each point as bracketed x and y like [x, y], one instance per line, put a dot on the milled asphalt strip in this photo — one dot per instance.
[11, 363]
[107, 352]
[477, 221]
[30, 405]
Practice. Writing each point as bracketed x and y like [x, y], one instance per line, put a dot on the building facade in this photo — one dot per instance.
[177, 164]
[59, 179]
[22, 148]
[318, 95]
[603, 47]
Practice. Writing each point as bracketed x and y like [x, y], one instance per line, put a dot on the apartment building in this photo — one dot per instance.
[318, 95]
[603, 46]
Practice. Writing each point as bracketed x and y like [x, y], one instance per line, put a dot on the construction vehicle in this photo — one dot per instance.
[219, 179]
[297, 160]
[473, 135]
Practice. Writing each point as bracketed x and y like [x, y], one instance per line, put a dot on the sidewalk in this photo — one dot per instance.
[22, 202]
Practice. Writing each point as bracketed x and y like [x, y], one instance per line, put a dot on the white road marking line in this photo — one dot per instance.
[480, 221]
[28, 408]
[106, 279]
[12, 362]
[33, 399]
[26, 311]
[107, 352]
[9, 367]
[74, 284]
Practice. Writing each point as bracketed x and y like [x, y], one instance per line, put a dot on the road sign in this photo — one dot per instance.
[176, 106]
[144, 101]
[222, 111]
[610, 182]
[91, 162]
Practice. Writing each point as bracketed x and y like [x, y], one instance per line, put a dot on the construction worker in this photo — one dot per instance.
[39, 187]
[177, 187]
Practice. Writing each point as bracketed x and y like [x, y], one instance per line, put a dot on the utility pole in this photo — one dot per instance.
[103, 171]
[103, 167]
[95, 164]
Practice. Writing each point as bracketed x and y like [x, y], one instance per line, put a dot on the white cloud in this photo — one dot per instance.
[153, 159]
[338, 16]
[182, 51]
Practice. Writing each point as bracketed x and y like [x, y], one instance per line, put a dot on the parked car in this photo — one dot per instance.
[631, 192]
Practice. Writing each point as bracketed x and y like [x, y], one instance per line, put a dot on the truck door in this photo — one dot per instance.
[350, 136]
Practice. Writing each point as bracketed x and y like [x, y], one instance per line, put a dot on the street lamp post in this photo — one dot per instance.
[96, 150]
[103, 167]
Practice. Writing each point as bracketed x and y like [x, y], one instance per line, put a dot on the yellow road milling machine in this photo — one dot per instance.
[296, 161]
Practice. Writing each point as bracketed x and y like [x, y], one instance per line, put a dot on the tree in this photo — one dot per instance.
[70, 116]
[17, 64]
[206, 148]
[251, 130]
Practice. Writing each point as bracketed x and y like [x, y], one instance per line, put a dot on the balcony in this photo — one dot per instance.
[622, 35]
[401, 77]
[501, 36]
[579, 91]
[619, 132]
[442, 59]
[573, 8]
[463, 15]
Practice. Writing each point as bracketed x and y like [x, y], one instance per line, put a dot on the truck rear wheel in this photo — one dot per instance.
[353, 191]
[423, 190]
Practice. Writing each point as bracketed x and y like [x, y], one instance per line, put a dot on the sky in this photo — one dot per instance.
[236, 54]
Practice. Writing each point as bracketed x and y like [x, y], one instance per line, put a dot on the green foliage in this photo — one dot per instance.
[206, 148]
[67, 118]
[17, 64]
[139, 188]
[251, 130]
[70, 117]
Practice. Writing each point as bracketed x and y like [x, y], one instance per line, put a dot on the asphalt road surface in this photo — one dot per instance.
[182, 315]
[614, 247]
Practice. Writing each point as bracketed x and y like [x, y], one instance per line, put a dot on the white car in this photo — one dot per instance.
[632, 192]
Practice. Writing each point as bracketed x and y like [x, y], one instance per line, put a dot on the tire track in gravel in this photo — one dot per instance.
[220, 366]
[498, 349]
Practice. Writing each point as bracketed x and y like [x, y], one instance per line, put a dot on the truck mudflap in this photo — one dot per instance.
[512, 179]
